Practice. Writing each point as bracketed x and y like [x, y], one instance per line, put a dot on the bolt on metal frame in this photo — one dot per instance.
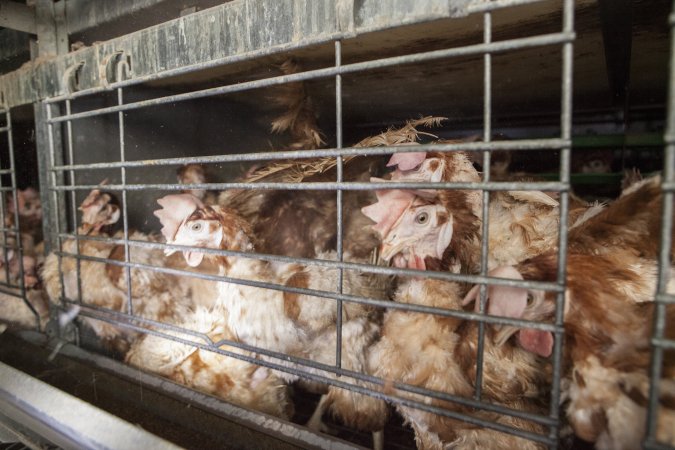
[11, 235]
[663, 299]
[322, 372]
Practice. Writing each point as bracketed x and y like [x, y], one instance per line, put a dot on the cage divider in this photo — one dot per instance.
[485, 196]
[3, 213]
[339, 212]
[73, 201]
[565, 157]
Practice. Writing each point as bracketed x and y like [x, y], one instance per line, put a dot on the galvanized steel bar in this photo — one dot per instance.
[485, 226]
[330, 186]
[123, 175]
[527, 144]
[73, 209]
[565, 134]
[339, 180]
[479, 49]
[3, 203]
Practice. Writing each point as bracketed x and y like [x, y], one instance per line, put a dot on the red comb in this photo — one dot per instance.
[391, 203]
[175, 209]
[407, 161]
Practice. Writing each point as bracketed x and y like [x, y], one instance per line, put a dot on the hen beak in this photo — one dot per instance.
[86, 228]
[169, 251]
[390, 249]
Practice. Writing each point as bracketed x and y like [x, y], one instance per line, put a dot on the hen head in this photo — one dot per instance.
[187, 221]
[99, 209]
[423, 230]
[411, 226]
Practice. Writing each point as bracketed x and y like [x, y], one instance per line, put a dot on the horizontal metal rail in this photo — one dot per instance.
[326, 186]
[523, 144]
[497, 320]
[10, 291]
[667, 344]
[478, 49]
[665, 298]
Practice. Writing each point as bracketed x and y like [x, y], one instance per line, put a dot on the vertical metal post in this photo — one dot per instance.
[73, 200]
[121, 67]
[485, 227]
[3, 213]
[662, 298]
[566, 135]
[340, 256]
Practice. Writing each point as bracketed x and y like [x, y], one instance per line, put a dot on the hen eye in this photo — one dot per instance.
[197, 226]
[422, 218]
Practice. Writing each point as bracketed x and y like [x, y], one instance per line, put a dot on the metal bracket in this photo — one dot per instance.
[71, 77]
[114, 68]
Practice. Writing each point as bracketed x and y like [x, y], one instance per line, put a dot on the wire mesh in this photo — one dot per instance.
[14, 284]
[64, 199]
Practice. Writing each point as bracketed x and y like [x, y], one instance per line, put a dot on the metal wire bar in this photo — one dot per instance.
[485, 226]
[118, 315]
[479, 49]
[9, 284]
[55, 199]
[523, 144]
[331, 295]
[366, 268]
[3, 129]
[123, 174]
[73, 199]
[339, 179]
[332, 186]
[665, 298]
[565, 134]
[3, 212]
[14, 293]
[127, 321]
[659, 344]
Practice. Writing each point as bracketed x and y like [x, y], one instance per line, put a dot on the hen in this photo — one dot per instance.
[439, 353]
[232, 379]
[442, 228]
[154, 295]
[286, 322]
[611, 281]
